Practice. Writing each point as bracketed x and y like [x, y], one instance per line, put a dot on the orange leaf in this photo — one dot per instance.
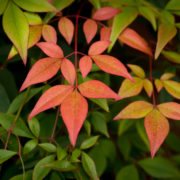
[111, 65]
[97, 89]
[148, 87]
[129, 88]
[157, 128]
[41, 71]
[68, 71]
[66, 28]
[173, 88]
[135, 110]
[167, 76]
[85, 65]
[49, 33]
[51, 98]
[105, 34]
[105, 13]
[170, 110]
[98, 47]
[159, 84]
[134, 40]
[51, 49]
[90, 29]
[137, 70]
[74, 111]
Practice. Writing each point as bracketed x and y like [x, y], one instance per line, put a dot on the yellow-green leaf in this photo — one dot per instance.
[137, 70]
[173, 5]
[3, 4]
[148, 87]
[159, 84]
[135, 110]
[172, 56]
[129, 88]
[36, 6]
[167, 76]
[173, 88]
[120, 22]
[33, 19]
[16, 27]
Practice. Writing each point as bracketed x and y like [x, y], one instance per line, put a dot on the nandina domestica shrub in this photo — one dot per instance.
[69, 120]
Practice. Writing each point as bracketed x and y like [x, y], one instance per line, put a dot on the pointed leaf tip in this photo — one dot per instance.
[74, 111]
[85, 65]
[97, 89]
[157, 128]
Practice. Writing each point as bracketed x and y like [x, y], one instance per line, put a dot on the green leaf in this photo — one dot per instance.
[102, 103]
[98, 121]
[120, 22]
[30, 145]
[36, 6]
[95, 3]
[5, 155]
[75, 155]
[16, 27]
[20, 127]
[61, 153]
[166, 31]
[172, 56]
[39, 172]
[62, 165]
[4, 100]
[89, 142]
[34, 126]
[159, 168]
[3, 4]
[14, 106]
[87, 126]
[149, 14]
[173, 142]
[173, 5]
[33, 19]
[173, 88]
[124, 125]
[28, 176]
[48, 147]
[89, 166]
[60, 5]
[127, 173]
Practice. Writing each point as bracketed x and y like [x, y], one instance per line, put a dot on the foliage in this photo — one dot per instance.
[70, 73]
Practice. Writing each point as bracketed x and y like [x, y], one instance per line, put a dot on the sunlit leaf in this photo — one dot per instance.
[135, 110]
[172, 56]
[170, 110]
[33, 19]
[157, 128]
[105, 33]
[111, 65]
[42, 70]
[173, 5]
[167, 76]
[97, 89]
[137, 70]
[66, 28]
[129, 88]
[89, 29]
[159, 84]
[51, 98]
[74, 111]
[148, 87]
[105, 13]
[3, 5]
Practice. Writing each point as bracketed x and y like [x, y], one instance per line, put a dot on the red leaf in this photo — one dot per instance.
[134, 40]
[105, 34]
[98, 47]
[41, 71]
[51, 49]
[105, 13]
[97, 89]
[170, 110]
[51, 98]
[90, 29]
[74, 111]
[111, 65]
[49, 34]
[135, 110]
[85, 65]
[157, 128]
[68, 71]
[66, 28]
